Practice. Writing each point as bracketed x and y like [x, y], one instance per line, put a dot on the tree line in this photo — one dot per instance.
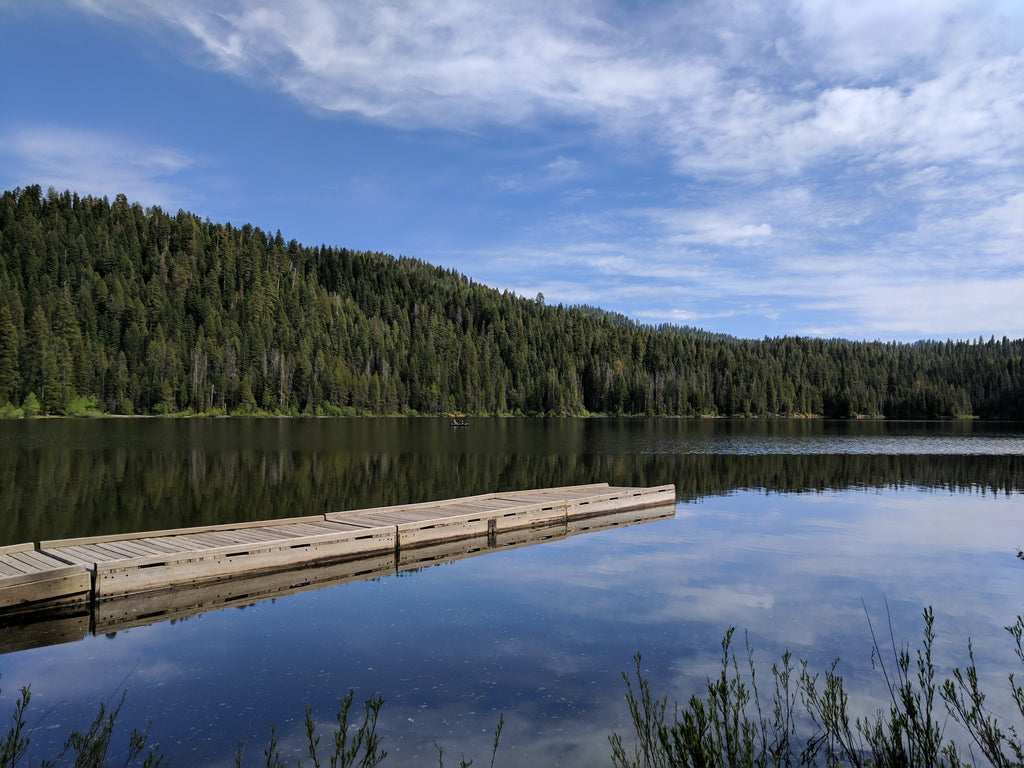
[125, 310]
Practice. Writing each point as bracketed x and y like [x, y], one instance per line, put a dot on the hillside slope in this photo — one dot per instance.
[139, 311]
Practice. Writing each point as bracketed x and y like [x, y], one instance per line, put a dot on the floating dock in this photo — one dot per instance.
[157, 573]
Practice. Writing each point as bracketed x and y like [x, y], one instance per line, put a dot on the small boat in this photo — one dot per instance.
[458, 419]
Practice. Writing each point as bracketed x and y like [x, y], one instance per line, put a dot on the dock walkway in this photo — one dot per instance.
[98, 568]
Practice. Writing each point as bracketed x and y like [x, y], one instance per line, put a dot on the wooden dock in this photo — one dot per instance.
[97, 569]
[30, 577]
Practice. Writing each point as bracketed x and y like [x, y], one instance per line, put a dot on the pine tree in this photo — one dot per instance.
[10, 375]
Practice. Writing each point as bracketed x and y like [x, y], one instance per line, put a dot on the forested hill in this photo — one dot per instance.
[138, 311]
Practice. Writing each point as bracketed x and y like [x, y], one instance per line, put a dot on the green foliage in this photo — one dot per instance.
[463, 763]
[354, 746]
[908, 734]
[15, 743]
[362, 749]
[10, 374]
[83, 406]
[966, 703]
[156, 313]
[9, 411]
[31, 405]
[727, 727]
[83, 749]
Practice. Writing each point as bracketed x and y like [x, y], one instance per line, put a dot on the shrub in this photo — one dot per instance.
[31, 405]
[728, 727]
[9, 411]
[83, 406]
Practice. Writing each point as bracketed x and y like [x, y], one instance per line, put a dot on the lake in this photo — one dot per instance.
[792, 531]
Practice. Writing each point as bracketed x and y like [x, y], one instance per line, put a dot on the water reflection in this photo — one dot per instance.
[540, 633]
[61, 479]
[34, 627]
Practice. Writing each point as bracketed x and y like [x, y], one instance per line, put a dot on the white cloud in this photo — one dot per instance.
[97, 163]
[863, 155]
[562, 169]
[877, 82]
[951, 305]
[509, 183]
[711, 227]
[1000, 230]
[876, 40]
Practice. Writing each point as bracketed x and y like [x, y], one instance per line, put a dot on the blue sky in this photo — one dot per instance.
[752, 167]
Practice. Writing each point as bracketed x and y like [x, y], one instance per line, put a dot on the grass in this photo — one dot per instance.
[803, 720]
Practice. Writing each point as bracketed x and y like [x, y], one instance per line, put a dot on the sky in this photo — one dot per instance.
[749, 167]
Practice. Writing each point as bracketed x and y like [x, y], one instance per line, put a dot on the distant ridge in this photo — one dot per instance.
[109, 307]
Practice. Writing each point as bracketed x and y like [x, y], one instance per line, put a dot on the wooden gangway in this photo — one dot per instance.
[100, 568]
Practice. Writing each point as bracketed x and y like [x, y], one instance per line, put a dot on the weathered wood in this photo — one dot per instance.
[171, 532]
[530, 509]
[152, 576]
[33, 561]
[12, 567]
[30, 578]
[12, 548]
[7, 569]
[147, 608]
[602, 522]
[459, 549]
[163, 571]
[616, 499]
[149, 561]
[71, 556]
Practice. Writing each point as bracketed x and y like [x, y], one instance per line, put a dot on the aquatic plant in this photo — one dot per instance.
[805, 721]
[727, 726]
[359, 750]
[82, 749]
[352, 745]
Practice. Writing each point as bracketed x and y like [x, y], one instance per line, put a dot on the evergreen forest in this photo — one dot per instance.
[110, 307]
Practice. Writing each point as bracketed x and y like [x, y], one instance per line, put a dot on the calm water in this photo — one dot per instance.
[788, 530]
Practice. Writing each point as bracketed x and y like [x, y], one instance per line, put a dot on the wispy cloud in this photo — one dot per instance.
[562, 169]
[710, 227]
[98, 163]
[856, 151]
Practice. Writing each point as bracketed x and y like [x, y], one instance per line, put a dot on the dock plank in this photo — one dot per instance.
[126, 549]
[70, 556]
[250, 536]
[165, 544]
[32, 560]
[106, 552]
[305, 530]
[148, 561]
[218, 539]
[10, 568]
[11, 548]
[79, 554]
[31, 580]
